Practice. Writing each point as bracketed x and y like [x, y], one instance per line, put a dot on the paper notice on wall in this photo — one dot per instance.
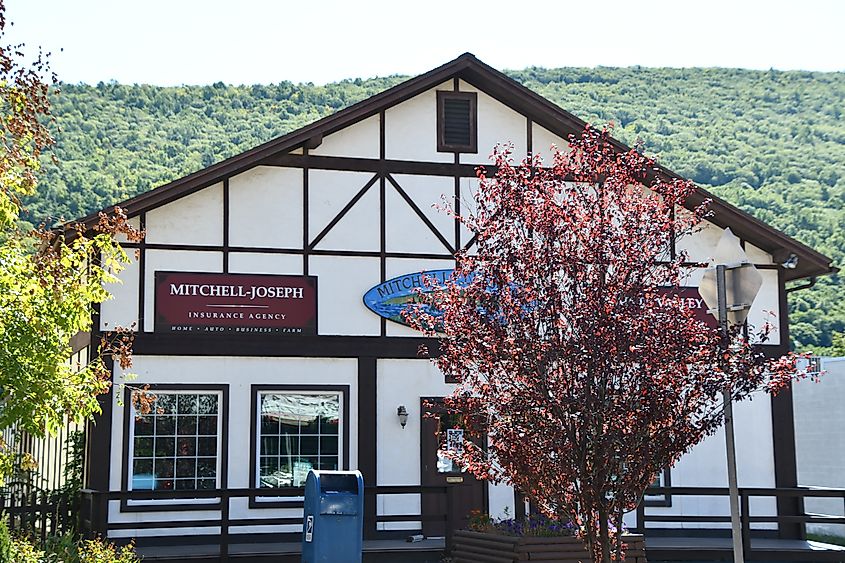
[455, 440]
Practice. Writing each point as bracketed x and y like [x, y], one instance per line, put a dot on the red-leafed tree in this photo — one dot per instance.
[583, 373]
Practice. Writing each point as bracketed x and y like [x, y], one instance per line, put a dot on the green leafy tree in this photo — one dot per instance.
[48, 278]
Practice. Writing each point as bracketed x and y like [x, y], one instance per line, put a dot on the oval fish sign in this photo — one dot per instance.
[390, 298]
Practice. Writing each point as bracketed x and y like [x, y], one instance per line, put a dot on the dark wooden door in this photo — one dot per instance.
[437, 434]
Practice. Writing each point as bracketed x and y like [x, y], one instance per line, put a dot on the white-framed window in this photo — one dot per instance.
[297, 431]
[176, 446]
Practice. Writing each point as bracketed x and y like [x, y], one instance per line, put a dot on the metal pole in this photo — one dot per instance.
[730, 444]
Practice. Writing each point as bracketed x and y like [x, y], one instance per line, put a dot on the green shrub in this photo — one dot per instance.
[99, 551]
[5, 540]
[67, 548]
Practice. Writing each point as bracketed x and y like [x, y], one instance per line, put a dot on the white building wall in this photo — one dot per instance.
[193, 219]
[265, 208]
[360, 140]
[411, 129]
[541, 142]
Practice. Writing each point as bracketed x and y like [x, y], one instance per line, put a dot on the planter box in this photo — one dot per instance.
[481, 547]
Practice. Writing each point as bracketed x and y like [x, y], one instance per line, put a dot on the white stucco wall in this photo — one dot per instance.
[360, 140]
[193, 219]
[411, 129]
[265, 208]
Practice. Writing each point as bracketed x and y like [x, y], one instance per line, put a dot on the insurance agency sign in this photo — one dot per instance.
[235, 303]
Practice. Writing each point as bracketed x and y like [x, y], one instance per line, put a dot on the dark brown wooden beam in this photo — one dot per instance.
[373, 165]
[150, 343]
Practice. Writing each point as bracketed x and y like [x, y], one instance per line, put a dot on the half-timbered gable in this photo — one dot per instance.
[343, 207]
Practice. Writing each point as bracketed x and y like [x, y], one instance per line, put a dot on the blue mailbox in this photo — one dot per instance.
[333, 522]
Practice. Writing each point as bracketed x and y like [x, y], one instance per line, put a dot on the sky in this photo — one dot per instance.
[171, 42]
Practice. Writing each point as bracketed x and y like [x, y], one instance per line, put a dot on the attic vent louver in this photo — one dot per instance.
[456, 122]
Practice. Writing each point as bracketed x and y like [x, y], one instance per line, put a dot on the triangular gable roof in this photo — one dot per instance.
[511, 93]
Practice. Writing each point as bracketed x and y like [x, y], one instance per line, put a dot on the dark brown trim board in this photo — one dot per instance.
[783, 432]
[226, 226]
[99, 428]
[367, 434]
[344, 390]
[142, 269]
[223, 452]
[278, 346]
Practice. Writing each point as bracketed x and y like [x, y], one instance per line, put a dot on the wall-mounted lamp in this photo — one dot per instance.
[791, 261]
[402, 413]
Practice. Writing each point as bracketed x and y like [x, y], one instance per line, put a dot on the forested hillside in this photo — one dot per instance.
[772, 143]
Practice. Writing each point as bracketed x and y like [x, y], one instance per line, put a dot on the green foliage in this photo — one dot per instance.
[14, 549]
[5, 540]
[772, 143]
[47, 283]
[75, 466]
[67, 548]
[70, 549]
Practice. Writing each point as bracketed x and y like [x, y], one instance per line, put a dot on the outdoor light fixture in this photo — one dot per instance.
[791, 262]
[402, 413]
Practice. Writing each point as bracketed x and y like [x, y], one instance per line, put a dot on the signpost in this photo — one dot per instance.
[729, 287]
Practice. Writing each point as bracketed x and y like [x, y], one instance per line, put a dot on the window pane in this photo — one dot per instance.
[186, 425]
[328, 445]
[164, 404]
[186, 467]
[207, 426]
[329, 424]
[207, 446]
[291, 428]
[186, 404]
[206, 467]
[165, 425]
[144, 426]
[269, 424]
[164, 468]
[270, 445]
[308, 445]
[328, 463]
[288, 446]
[207, 404]
[310, 425]
[165, 447]
[186, 484]
[143, 447]
[142, 467]
[186, 446]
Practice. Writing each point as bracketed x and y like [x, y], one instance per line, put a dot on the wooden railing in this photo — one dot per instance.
[801, 518]
[95, 509]
[39, 515]
[94, 513]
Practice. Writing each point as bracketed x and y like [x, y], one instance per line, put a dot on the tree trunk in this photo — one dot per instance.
[604, 536]
[619, 516]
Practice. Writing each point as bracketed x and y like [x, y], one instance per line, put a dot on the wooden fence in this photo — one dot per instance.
[40, 515]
